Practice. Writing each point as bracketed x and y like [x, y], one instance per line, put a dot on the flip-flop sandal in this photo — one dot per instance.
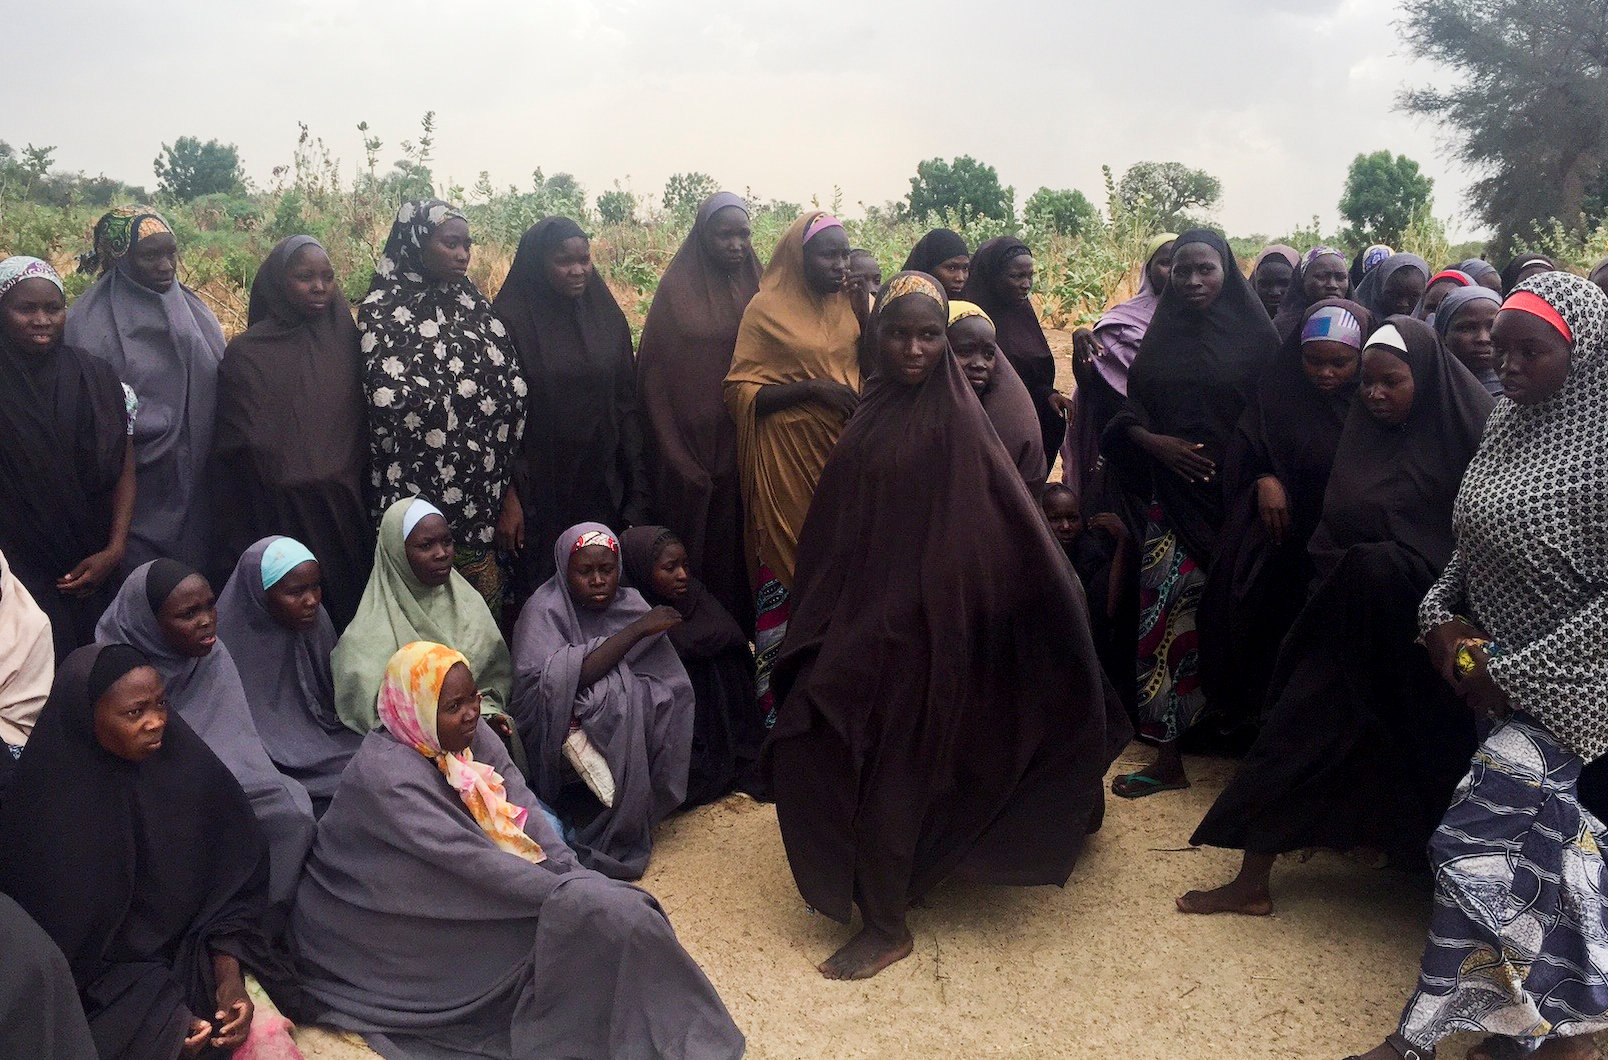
[1155, 786]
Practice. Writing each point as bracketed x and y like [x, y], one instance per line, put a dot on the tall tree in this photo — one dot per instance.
[1529, 104]
[1383, 191]
[965, 188]
[190, 169]
[1171, 192]
[1065, 212]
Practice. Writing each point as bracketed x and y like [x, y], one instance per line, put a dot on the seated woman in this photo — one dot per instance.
[27, 666]
[1361, 743]
[597, 686]
[272, 620]
[67, 494]
[135, 849]
[293, 424]
[168, 613]
[38, 998]
[726, 732]
[939, 691]
[1277, 472]
[416, 593]
[1005, 399]
[1098, 551]
[441, 915]
[163, 341]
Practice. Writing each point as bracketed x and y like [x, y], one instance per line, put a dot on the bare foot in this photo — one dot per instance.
[866, 954]
[1236, 896]
[1571, 1048]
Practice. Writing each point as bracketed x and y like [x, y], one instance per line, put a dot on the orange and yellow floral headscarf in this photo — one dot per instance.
[407, 701]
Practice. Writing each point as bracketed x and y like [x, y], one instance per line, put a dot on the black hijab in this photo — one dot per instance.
[138, 871]
[706, 629]
[1195, 373]
[1510, 274]
[1018, 334]
[583, 456]
[1397, 483]
[1292, 309]
[935, 248]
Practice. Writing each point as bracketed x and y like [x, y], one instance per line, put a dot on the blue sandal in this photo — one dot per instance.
[1154, 786]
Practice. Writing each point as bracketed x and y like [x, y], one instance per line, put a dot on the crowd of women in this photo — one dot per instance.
[365, 652]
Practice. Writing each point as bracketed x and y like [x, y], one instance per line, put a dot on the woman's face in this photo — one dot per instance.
[728, 238]
[1015, 282]
[457, 710]
[1197, 275]
[1326, 277]
[1533, 356]
[1532, 270]
[309, 280]
[826, 261]
[34, 314]
[131, 716]
[569, 266]
[972, 339]
[1272, 280]
[189, 618]
[1161, 266]
[154, 261]
[430, 551]
[1387, 385]
[670, 576]
[1402, 291]
[1469, 337]
[294, 599]
[594, 577]
[952, 273]
[1436, 294]
[1066, 521]
[447, 252]
[912, 336]
[1329, 365]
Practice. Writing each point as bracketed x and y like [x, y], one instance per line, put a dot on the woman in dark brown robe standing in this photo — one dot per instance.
[942, 709]
[292, 437]
[686, 350]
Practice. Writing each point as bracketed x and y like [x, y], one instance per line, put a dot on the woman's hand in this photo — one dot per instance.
[1441, 643]
[1112, 524]
[233, 1020]
[661, 619]
[501, 724]
[1182, 458]
[1060, 403]
[200, 1030]
[1480, 691]
[1085, 347]
[90, 572]
[837, 397]
[511, 523]
[1275, 507]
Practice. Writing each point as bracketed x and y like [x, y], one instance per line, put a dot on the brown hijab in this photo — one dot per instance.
[789, 333]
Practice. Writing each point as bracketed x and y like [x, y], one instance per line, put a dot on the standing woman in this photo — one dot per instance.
[794, 380]
[1463, 321]
[1516, 625]
[446, 401]
[939, 689]
[1522, 268]
[66, 462]
[1321, 274]
[292, 427]
[1366, 261]
[1001, 282]
[1271, 273]
[1484, 273]
[1197, 369]
[1395, 286]
[943, 255]
[686, 351]
[165, 344]
[993, 380]
[583, 455]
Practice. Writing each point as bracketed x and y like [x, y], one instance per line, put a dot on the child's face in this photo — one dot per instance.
[670, 576]
[1066, 522]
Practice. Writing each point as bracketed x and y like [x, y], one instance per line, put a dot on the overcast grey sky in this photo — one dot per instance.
[1274, 97]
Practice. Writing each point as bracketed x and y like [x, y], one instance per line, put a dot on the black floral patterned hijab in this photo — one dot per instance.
[446, 397]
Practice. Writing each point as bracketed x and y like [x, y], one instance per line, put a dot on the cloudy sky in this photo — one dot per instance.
[1274, 97]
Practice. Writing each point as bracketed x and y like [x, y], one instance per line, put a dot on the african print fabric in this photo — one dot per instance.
[773, 608]
[1518, 943]
[1170, 583]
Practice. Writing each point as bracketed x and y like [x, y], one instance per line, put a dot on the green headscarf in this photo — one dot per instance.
[398, 609]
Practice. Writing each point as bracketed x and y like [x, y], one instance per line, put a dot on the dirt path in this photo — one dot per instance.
[1104, 967]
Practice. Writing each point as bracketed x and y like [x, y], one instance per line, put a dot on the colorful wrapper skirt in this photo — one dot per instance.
[1170, 584]
[773, 608]
[1518, 942]
[480, 569]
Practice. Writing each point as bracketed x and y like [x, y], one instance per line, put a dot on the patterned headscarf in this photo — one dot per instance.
[1374, 255]
[409, 695]
[907, 283]
[117, 232]
[19, 267]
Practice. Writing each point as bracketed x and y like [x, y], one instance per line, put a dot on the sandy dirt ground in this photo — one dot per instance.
[1102, 968]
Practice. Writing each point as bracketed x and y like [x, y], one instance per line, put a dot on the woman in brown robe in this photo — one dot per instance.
[686, 350]
[292, 437]
[942, 710]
